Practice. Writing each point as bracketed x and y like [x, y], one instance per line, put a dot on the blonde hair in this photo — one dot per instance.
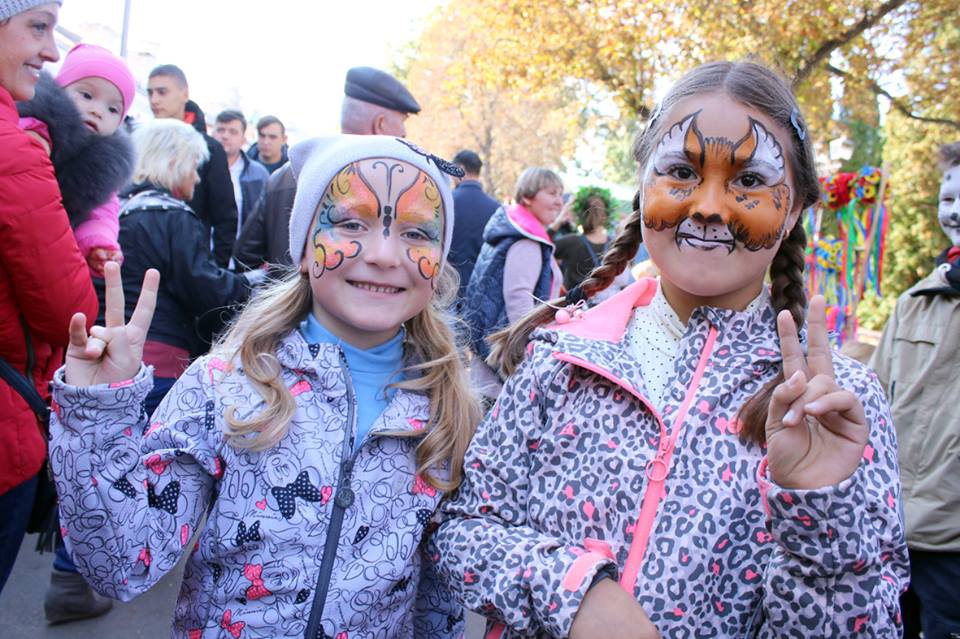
[168, 151]
[532, 180]
[280, 307]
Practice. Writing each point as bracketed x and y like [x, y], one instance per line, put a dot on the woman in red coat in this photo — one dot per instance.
[44, 279]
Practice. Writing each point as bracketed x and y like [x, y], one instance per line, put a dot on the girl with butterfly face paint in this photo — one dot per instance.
[678, 460]
[320, 434]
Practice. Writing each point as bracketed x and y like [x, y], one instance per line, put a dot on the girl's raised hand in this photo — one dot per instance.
[111, 353]
[816, 431]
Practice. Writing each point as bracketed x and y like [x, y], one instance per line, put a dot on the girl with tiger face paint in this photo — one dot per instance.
[717, 200]
[663, 440]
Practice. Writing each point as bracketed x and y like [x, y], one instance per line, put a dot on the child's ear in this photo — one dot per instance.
[793, 218]
[304, 264]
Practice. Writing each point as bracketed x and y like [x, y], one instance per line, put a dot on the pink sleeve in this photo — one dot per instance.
[35, 126]
[101, 229]
[520, 272]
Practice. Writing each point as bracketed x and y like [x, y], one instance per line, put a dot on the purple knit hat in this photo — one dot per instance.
[91, 61]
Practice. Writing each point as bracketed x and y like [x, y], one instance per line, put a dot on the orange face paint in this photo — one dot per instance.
[700, 184]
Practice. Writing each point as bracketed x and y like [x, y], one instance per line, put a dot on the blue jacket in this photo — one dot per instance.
[309, 535]
[472, 210]
[484, 308]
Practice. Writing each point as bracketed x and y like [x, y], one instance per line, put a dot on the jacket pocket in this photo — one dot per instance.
[914, 350]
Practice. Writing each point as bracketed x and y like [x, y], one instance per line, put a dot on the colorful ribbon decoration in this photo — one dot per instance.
[840, 232]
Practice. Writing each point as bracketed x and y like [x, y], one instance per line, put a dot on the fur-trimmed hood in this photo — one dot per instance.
[89, 167]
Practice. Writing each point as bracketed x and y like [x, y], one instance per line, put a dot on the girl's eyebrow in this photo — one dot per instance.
[761, 164]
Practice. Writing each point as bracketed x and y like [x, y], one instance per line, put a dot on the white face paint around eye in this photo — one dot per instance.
[670, 149]
[768, 157]
[948, 212]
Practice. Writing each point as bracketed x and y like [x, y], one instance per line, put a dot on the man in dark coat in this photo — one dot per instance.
[472, 208]
[213, 199]
[374, 103]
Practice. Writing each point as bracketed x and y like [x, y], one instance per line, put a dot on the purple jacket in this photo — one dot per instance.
[574, 474]
[305, 539]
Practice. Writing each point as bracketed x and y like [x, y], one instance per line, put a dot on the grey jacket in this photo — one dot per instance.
[313, 537]
[916, 363]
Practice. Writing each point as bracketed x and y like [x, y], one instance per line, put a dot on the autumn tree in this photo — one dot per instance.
[469, 104]
[848, 62]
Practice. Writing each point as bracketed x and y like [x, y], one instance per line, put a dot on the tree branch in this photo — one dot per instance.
[895, 102]
[824, 50]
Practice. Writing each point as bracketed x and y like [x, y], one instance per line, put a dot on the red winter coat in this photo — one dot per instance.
[44, 280]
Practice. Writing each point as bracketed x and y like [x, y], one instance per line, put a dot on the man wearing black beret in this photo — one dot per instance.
[374, 103]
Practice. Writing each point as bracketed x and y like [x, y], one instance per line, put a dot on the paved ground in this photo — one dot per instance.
[147, 617]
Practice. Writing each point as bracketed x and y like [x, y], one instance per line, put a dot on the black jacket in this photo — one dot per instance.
[159, 231]
[90, 168]
[265, 237]
[472, 210]
[213, 197]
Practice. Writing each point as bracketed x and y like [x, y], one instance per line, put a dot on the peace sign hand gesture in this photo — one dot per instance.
[112, 353]
[816, 431]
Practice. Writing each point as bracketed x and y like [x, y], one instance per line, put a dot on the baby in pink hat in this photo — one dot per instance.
[78, 117]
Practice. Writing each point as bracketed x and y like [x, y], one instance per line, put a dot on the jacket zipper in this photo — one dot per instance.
[658, 468]
[341, 501]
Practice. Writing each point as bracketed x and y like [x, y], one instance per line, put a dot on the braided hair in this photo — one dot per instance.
[755, 86]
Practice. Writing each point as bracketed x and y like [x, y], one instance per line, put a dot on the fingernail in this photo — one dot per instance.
[795, 376]
[791, 416]
[813, 407]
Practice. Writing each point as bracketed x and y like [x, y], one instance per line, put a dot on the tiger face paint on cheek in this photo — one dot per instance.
[420, 220]
[347, 197]
[718, 191]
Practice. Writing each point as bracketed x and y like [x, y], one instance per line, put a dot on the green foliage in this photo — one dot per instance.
[867, 145]
[581, 203]
[915, 237]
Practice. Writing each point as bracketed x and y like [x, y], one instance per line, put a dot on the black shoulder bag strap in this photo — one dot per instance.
[19, 382]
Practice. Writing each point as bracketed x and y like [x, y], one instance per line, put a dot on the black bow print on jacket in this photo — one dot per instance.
[286, 495]
[124, 486]
[244, 535]
[167, 500]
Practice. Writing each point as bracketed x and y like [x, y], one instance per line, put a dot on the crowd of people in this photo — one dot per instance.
[277, 361]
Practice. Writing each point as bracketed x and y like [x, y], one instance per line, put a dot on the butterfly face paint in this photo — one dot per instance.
[717, 197]
[377, 245]
[387, 194]
[420, 216]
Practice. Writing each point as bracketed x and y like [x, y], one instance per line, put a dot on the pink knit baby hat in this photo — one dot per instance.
[91, 61]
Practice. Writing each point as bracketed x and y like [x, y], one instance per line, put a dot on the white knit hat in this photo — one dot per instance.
[10, 8]
[315, 162]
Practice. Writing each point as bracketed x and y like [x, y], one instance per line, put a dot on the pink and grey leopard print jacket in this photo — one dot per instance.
[574, 474]
[306, 539]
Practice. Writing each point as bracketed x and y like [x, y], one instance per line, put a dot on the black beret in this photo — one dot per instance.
[380, 88]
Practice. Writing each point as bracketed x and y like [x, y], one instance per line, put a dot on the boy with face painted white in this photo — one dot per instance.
[317, 438]
[916, 362]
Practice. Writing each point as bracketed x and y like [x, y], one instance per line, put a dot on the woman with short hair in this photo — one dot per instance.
[515, 268]
[159, 230]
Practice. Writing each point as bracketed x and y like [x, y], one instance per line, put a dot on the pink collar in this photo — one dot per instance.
[525, 222]
[608, 320]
